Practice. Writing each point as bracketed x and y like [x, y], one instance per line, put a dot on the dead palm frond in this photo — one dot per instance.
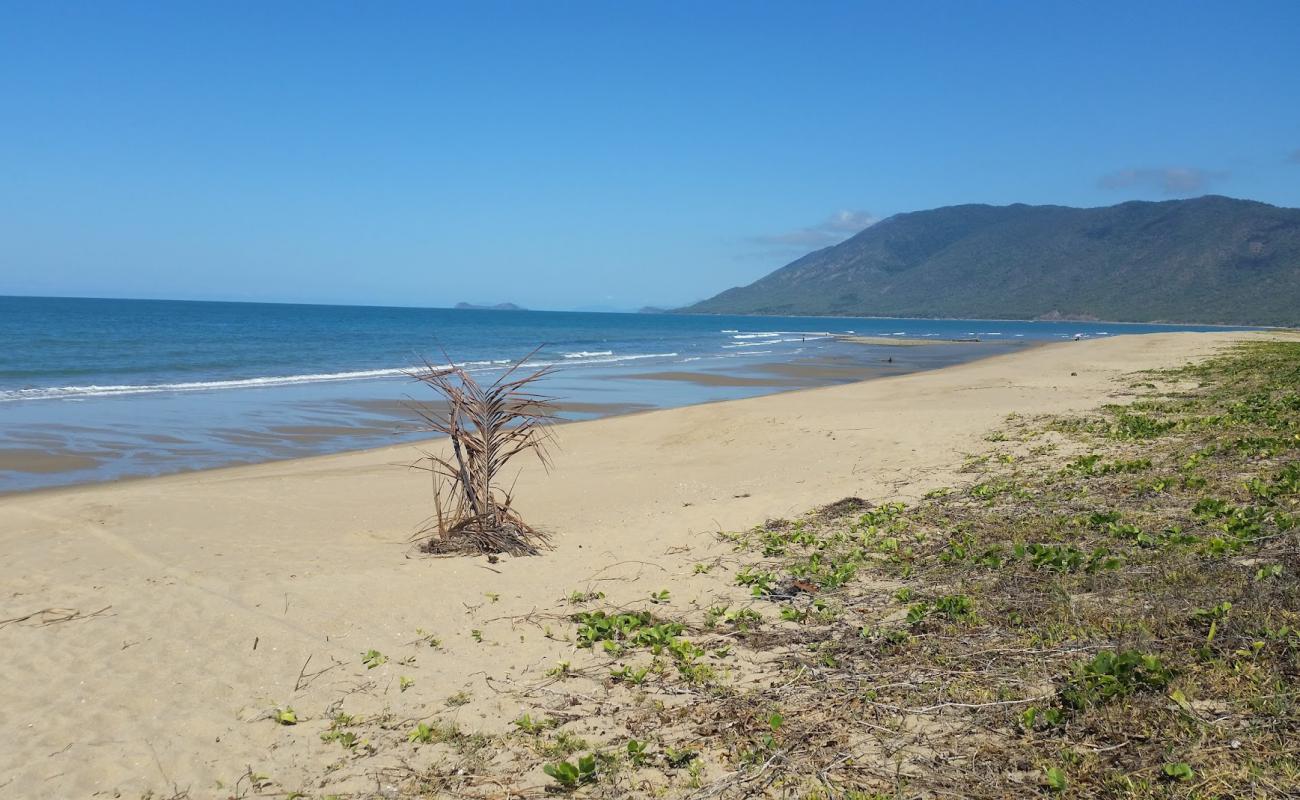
[487, 426]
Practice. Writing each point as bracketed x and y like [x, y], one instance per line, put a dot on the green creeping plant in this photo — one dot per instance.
[636, 629]
[534, 726]
[743, 619]
[956, 607]
[636, 752]
[570, 775]
[677, 759]
[760, 582]
[1110, 675]
[636, 677]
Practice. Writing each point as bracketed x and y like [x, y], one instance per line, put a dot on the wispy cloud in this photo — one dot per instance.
[1294, 158]
[1169, 180]
[833, 230]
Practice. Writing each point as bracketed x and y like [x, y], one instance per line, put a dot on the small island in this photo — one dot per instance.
[497, 307]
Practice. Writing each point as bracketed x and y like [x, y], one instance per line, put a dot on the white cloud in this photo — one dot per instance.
[833, 230]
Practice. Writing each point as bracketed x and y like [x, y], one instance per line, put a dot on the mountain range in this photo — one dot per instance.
[1210, 260]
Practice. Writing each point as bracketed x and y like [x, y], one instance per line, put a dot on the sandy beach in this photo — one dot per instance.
[153, 626]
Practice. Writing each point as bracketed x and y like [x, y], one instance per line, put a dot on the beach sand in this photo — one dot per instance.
[169, 616]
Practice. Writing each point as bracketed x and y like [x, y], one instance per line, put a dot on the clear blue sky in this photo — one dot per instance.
[569, 154]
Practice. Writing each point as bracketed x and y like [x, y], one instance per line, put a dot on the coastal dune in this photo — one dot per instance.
[152, 626]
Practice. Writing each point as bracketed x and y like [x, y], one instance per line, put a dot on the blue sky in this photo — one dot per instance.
[569, 154]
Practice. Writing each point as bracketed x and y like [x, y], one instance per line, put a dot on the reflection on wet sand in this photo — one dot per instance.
[714, 379]
[43, 462]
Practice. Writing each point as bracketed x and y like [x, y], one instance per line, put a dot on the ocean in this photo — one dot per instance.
[94, 390]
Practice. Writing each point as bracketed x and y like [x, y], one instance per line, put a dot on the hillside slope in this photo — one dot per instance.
[1211, 260]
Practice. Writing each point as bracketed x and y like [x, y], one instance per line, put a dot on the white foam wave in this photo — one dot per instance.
[112, 390]
[56, 392]
[601, 360]
[778, 334]
[589, 353]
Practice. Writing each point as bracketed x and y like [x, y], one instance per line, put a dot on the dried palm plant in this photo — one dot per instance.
[487, 427]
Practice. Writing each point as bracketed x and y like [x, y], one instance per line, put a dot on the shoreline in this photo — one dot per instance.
[202, 598]
[663, 312]
[767, 378]
[1226, 326]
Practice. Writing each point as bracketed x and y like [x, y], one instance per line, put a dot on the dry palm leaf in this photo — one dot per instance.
[487, 426]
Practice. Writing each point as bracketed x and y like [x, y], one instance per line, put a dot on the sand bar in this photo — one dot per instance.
[153, 624]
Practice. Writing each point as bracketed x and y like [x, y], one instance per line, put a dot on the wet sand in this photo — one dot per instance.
[41, 461]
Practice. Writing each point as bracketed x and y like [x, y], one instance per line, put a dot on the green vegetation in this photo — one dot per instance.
[1210, 259]
[422, 734]
[1108, 675]
[1121, 624]
[569, 775]
[639, 629]
[531, 726]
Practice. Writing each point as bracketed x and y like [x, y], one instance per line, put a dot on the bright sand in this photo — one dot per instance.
[215, 587]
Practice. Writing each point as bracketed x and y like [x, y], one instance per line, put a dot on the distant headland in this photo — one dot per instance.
[497, 307]
[1207, 260]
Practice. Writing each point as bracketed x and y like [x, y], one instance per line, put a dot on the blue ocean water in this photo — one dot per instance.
[99, 389]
